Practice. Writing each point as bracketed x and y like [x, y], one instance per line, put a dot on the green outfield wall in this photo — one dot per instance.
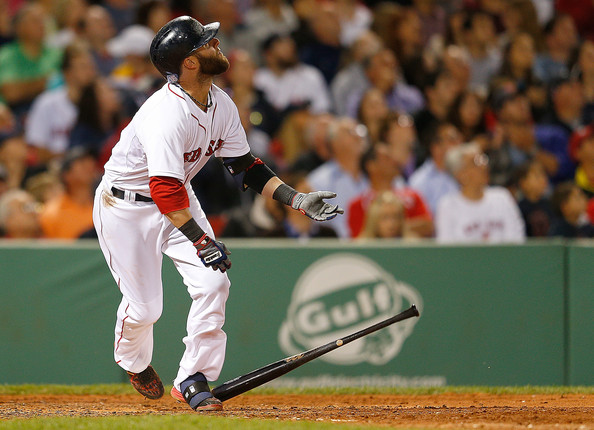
[490, 315]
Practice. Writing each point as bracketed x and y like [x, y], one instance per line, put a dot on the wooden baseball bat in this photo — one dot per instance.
[260, 376]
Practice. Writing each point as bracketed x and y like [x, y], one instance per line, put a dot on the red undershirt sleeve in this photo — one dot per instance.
[169, 194]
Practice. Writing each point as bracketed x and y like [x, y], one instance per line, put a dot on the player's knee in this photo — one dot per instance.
[144, 314]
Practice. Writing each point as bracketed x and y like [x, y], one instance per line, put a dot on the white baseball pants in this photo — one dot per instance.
[133, 237]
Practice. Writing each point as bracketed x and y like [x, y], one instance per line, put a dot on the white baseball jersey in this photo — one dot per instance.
[171, 136]
[168, 136]
[495, 218]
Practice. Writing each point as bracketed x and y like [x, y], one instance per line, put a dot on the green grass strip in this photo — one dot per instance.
[114, 389]
[177, 422]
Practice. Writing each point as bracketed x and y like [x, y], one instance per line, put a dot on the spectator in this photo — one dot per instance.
[373, 112]
[432, 179]
[355, 20]
[518, 63]
[581, 150]
[533, 202]
[154, 14]
[561, 39]
[381, 70]
[516, 139]
[456, 61]
[568, 104]
[477, 213]
[570, 204]
[585, 70]
[521, 17]
[122, 12]
[385, 218]
[553, 135]
[480, 43]
[440, 92]
[135, 72]
[5, 24]
[399, 133]
[70, 214]
[240, 86]
[582, 12]
[343, 171]
[288, 84]
[7, 120]
[382, 169]
[3, 180]
[269, 18]
[54, 112]
[13, 155]
[19, 217]
[433, 19]
[322, 49]
[316, 136]
[69, 16]
[408, 46]
[27, 63]
[232, 33]
[467, 114]
[45, 185]
[98, 31]
[351, 78]
[99, 115]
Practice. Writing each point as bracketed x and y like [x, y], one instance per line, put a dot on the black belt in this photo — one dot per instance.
[137, 197]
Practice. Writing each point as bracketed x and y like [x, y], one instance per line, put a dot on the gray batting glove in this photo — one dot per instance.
[314, 206]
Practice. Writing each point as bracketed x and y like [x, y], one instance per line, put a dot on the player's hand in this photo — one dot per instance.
[314, 206]
[213, 253]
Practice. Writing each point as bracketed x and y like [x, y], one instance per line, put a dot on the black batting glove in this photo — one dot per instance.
[314, 206]
[213, 253]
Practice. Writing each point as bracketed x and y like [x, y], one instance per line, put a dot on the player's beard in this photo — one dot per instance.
[214, 65]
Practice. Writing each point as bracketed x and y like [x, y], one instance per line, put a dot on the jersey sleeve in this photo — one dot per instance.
[235, 140]
[163, 136]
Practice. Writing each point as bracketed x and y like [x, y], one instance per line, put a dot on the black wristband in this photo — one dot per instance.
[192, 230]
[284, 194]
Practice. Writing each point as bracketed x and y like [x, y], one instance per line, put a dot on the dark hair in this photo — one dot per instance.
[521, 172]
[561, 195]
[88, 106]
[506, 66]
[89, 111]
[70, 53]
[455, 118]
[369, 155]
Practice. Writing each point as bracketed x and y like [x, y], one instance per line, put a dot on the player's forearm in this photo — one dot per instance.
[179, 218]
[271, 186]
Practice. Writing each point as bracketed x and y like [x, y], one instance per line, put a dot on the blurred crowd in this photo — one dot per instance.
[460, 120]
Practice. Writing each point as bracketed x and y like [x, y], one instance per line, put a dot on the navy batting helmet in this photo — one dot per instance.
[176, 40]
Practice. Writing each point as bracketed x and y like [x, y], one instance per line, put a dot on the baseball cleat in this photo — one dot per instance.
[147, 383]
[210, 404]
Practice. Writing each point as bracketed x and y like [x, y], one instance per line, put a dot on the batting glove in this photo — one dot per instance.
[213, 253]
[314, 206]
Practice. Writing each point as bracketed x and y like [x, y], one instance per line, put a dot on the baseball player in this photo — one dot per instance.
[145, 207]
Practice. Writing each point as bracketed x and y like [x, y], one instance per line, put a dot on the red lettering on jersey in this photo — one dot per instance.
[192, 156]
[212, 147]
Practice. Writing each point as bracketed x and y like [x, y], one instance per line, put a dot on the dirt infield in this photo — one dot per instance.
[485, 411]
